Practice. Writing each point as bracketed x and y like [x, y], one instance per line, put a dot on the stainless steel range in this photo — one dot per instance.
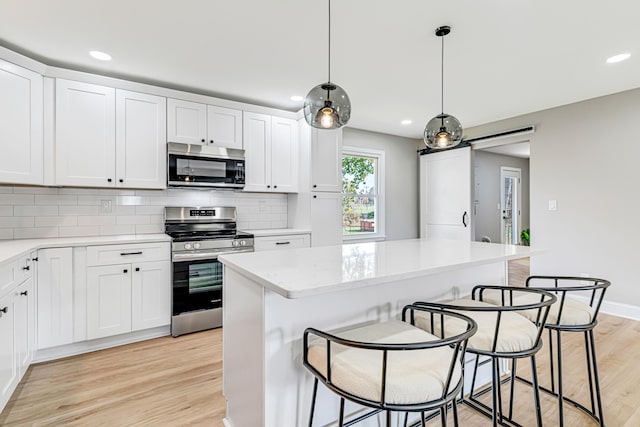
[199, 235]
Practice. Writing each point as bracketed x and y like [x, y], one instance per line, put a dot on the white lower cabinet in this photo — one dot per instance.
[55, 297]
[16, 335]
[108, 300]
[150, 295]
[128, 296]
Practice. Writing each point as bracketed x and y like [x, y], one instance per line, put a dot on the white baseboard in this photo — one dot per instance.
[618, 309]
[46, 354]
[226, 423]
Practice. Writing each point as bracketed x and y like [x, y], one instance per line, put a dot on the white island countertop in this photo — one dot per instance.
[304, 272]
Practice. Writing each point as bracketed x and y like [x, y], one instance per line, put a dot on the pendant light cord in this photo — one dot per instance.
[442, 75]
[329, 44]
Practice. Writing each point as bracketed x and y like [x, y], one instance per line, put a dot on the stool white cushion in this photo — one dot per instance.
[516, 334]
[413, 376]
[574, 312]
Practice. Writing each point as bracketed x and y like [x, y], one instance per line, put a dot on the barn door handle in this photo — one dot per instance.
[464, 216]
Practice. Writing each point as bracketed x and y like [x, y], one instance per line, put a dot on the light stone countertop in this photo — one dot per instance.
[298, 273]
[12, 249]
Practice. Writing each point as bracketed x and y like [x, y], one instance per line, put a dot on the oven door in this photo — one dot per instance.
[197, 285]
[184, 170]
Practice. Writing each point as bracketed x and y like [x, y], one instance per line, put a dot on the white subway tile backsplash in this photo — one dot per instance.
[57, 199]
[56, 221]
[35, 233]
[16, 221]
[34, 212]
[108, 230]
[87, 230]
[79, 210]
[16, 199]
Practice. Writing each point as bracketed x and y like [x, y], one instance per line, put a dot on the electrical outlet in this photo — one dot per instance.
[553, 205]
[105, 206]
[262, 206]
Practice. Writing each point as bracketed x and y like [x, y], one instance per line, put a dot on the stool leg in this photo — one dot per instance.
[422, 423]
[536, 392]
[443, 416]
[511, 390]
[388, 418]
[497, 361]
[454, 407]
[595, 377]
[494, 392]
[341, 422]
[560, 397]
[551, 362]
[589, 371]
[313, 401]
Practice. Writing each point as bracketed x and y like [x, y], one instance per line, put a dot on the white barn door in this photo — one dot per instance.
[445, 195]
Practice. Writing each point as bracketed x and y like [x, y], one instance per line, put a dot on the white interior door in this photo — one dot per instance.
[510, 202]
[445, 195]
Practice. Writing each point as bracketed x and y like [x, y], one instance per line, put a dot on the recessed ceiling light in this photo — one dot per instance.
[618, 58]
[297, 98]
[406, 122]
[100, 55]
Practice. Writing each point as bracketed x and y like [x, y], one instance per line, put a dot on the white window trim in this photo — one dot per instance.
[380, 180]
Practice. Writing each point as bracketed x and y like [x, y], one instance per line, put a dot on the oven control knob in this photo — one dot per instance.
[234, 243]
[187, 246]
[196, 246]
[243, 243]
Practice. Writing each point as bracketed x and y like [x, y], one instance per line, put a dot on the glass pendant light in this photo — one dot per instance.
[444, 130]
[327, 105]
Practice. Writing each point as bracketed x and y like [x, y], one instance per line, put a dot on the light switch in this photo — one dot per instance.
[553, 205]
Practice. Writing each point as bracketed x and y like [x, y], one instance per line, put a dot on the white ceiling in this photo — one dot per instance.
[503, 57]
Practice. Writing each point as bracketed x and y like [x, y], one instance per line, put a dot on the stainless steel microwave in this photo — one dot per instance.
[204, 166]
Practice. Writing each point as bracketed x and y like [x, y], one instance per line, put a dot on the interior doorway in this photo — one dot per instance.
[510, 204]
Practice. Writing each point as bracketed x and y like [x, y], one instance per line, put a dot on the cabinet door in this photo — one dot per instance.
[108, 300]
[224, 127]
[326, 219]
[186, 122]
[55, 297]
[21, 137]
[284, 155]
[326, 160]
[257, 145]
[85, 134]
[24, 326]
[8, 363]
[150, 295]
[445, 195]
[141, 142]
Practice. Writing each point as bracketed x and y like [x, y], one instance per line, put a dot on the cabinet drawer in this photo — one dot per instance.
[272, 243]
[119, 254]
[13, 273]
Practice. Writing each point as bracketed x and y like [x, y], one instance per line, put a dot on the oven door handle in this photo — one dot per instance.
[207, 255]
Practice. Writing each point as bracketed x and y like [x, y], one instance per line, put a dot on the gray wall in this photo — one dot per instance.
[487, 192]
[401, 179]
[585, 156]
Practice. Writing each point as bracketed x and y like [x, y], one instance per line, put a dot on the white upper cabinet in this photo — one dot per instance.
[85, 134]
[224, 127]
[326, 160]
[21, 115]
[271, 150]
[200, 124]
[109, 138]
[186, 122]
[284, 155]
[141, 142]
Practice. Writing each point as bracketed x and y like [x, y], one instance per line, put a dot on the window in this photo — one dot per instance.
[362, 193]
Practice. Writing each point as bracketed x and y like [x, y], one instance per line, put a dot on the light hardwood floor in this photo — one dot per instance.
[178, 382]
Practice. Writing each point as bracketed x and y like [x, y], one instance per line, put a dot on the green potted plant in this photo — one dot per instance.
[525, 237]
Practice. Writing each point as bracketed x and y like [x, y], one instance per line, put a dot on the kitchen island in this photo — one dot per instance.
[271, 297]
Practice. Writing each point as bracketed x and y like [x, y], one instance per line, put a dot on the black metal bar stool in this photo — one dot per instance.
[502, 333]
[573, 315]
[390, 366]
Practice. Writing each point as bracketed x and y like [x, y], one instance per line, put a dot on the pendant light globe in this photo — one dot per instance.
[444, 130]
[327, 106]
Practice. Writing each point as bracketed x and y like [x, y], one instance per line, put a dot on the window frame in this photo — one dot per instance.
[379, 155]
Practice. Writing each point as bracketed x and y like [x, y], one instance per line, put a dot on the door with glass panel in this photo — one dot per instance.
[510, 201]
